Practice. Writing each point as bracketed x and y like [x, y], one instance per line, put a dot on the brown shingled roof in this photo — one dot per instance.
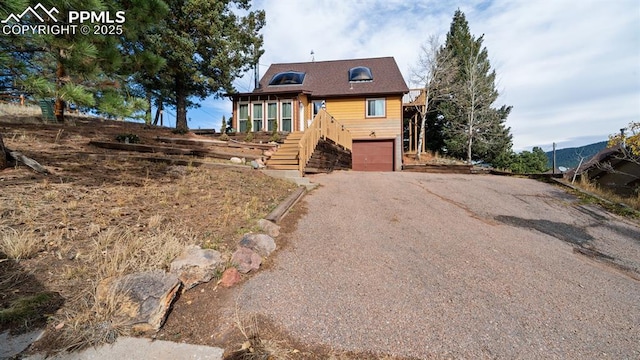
[331, 78]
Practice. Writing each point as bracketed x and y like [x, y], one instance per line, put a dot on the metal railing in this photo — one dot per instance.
[324, 126]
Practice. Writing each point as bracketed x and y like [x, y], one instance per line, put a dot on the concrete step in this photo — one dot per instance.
[291, 175]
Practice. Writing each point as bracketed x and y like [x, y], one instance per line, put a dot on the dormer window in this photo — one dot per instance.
[287, 78]
[360, 73]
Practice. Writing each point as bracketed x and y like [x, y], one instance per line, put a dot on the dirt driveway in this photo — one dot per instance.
[436, 266]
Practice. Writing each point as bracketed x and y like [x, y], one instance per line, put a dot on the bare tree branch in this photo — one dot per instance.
[434, 74]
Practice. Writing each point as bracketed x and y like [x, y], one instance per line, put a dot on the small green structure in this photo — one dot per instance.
[47, 110]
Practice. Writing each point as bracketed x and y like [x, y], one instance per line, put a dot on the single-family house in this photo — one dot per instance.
[614, 169]
[360, 97]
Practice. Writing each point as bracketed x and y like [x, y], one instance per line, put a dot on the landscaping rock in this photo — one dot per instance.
[269, 227]
[12, 345]
[263, 244]
[195, 266]
[230, 277]
[236, 160]
[257, 164]
[267, 153]
[246, 260]
[142, 298]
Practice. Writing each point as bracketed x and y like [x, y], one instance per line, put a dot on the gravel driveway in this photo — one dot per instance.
[462, 266]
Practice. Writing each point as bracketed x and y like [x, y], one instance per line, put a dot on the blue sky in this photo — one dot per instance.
[570, 69]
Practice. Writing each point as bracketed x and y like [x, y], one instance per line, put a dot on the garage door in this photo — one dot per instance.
[372, 155]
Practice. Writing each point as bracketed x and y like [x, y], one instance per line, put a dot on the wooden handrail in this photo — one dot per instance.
[324, 126]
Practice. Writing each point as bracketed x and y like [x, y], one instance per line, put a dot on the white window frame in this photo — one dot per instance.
[282, 118]
[384, 107]
[253, 116]
[275, 118]
[248, 114]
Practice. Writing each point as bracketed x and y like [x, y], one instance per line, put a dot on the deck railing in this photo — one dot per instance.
[324, 126]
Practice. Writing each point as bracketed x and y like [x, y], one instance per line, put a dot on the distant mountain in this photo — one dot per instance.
[570, 157]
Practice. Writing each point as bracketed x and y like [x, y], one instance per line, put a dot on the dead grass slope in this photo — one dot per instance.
[103, 213]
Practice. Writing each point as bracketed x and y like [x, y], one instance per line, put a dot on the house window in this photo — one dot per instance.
[272, 116]
[375, 107]
[287, 120]
[257, 117]
[243, 117]
[317, 105]
[287, 78]
[360, 73]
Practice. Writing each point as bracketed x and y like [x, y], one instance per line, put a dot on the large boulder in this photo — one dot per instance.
[246, 260]
[142, 298]
[263, 244]
[195, 266]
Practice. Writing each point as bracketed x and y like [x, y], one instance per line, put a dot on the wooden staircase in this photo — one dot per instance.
[299, 147]
[288, 154]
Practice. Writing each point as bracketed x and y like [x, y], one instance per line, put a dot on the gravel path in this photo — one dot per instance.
[434, 266]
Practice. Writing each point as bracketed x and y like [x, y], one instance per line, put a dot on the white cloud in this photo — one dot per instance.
[570, 69]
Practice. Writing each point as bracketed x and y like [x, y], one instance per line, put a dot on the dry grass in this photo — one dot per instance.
[254, 347]
[98, 218]
[16, 109]
[19, 244]
[630, 202]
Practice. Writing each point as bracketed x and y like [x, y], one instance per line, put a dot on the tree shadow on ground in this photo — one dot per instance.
[565, 232]
[25, 303]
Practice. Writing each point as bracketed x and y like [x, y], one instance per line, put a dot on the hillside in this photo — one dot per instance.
[570, 157]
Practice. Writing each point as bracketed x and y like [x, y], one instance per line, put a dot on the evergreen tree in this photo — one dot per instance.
[526, 162]
[92, 70]
[471, 127]
[206, 45]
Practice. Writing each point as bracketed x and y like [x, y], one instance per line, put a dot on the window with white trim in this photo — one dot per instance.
[287, 119]
[257, 117]
[243, 117]
[376, 107]
[272, 116]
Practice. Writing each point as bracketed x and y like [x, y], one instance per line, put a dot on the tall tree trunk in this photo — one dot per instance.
[58, 108]
[3, 155]
[147, 112]
[159, 110]
[423, 122]
[470, 140]
[181, 107]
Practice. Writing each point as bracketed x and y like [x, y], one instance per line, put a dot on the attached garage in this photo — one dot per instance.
[372, 155]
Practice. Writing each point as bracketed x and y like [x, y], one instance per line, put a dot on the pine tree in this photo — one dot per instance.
[206, 45]
[472, 128]
[91, 70]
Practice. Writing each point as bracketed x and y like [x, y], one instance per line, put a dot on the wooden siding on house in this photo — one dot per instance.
[351, 112]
